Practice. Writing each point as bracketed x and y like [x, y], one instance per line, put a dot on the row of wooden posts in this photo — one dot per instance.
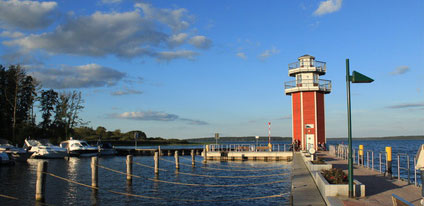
[42, 170]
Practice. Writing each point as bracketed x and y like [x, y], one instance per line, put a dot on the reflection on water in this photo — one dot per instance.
[19, 181]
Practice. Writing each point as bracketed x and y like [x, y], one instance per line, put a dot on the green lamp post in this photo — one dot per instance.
[355, 78]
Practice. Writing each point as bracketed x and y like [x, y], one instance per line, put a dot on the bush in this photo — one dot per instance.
[335, 176]
[318, 161]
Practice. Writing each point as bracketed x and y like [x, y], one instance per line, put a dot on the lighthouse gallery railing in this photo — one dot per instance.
[320, 66]
[324, 85]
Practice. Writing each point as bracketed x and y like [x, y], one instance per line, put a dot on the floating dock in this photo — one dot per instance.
[242, 152]
[247, 155]
[151, 152]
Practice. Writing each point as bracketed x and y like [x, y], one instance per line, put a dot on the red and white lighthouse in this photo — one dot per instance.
[307, 91]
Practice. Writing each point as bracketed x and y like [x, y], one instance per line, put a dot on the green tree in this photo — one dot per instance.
[68, 107]
[17, 96]
[48, 101]
[101, 131]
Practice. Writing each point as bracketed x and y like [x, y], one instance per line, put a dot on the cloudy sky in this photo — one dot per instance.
[181, 69]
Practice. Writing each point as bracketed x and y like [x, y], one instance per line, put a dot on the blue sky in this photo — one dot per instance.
[182, 69]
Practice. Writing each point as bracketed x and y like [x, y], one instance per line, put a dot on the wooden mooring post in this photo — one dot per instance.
[156, 158]
[129, 168]
[94, 172]
[40, 186]
[205, 156]
[177, 160]
[193, 162]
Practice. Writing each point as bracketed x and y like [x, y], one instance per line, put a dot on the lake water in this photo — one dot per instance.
[19, 181]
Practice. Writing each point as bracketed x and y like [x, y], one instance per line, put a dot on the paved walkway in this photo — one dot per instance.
[378, 188]
[304, 190]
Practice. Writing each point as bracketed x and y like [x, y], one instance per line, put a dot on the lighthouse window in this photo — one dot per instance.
[316, 79]
[299, 80]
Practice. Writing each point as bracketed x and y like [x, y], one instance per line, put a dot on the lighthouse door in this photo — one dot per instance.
[310, 141]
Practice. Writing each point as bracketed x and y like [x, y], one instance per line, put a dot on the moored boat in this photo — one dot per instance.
[43, 149]
[15, 153]
[79, 148]
[106, 149]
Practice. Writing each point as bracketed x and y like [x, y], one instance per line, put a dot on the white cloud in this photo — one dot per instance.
[400, 70]
[329, 6]
[176, 19]
[26, 14]
[177, 39]
[128, 34]
[268, 53]
[241, 55]
[407, 106]
[84, 76]
[170, 55]
[123, 34]
[111, 1]
[155, 116]
[201, 42]
[126, 91]
[10, 34]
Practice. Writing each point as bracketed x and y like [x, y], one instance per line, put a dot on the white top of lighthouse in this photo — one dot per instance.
[307, 71]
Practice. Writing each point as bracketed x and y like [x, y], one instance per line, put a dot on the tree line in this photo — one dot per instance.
[21, 96]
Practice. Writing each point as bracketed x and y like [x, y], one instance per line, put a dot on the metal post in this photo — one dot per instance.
[372, 160]
[379, 162]
[368, 159]
[415, 172]
[40, 186]
[129, 167]
[398, 166]
[359, 162]
[389, 161]
[349, 130]
[353, 155]
[408, 167]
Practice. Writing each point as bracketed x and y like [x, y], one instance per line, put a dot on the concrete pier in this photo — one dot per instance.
[379, 189]
[304, 189]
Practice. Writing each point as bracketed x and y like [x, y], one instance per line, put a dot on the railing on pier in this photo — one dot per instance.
[370, 161]
[249, 148]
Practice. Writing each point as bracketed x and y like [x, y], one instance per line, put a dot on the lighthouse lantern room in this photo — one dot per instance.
[307, 92]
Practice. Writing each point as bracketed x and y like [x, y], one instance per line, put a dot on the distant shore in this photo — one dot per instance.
[277, 138]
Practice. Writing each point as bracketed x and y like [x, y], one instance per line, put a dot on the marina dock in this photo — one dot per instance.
[379, 188]
[242, 152]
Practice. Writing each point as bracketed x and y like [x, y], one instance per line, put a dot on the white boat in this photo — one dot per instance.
[45, 150]
[79, 148]
[15, 153]
[106, 149]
